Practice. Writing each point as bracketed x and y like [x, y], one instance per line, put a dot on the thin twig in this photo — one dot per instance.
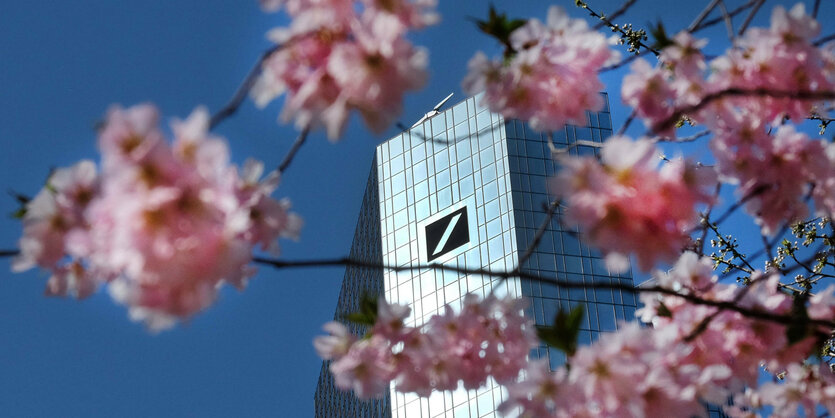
[701, 17]
[627, 122]
[9, 253]
[732, 249]
[424, 138]
[729, 26]
[690, 138]
[716, 20]
[752, 194]
[580, 142]
[243, 89]
[815, 256]
[824, 40]
[615, 28]
[773, 241]
[768, 250]
[543, 227]
[621, 63]
[815, 9]
[616, 14]
[726, 305]
[750, 17]
[706, 218]
[739, 92]
[293, 150]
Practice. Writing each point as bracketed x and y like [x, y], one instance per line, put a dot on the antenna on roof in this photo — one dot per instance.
[435, 110]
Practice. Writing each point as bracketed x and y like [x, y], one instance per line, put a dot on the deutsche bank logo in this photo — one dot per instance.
[447, 234]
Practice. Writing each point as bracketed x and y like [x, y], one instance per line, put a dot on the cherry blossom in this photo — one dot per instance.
[550, 62]
[684, 359]
[625, 205]
[335, 59]
[162, 225]
[488, 337]
[774, 172]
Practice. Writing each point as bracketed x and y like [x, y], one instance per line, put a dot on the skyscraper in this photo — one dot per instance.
[469, 188]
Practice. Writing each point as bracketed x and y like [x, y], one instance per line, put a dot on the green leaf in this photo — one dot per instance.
[367, 314]
[499, 26]
[659, 34]
[663, 311]
[563, 334]
[22, 200]
[19, 214]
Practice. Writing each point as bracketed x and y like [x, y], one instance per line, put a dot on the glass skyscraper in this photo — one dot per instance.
[469, 188]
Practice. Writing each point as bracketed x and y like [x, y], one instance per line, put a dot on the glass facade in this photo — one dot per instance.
[358, 281]
[468, 188]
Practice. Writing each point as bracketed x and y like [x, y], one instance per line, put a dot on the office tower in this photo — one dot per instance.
[469, 188]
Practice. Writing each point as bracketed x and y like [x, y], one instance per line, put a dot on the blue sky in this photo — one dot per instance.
[63, 64]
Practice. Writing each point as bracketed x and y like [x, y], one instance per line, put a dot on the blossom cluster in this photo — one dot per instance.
[488, 337]
[693, 353]
[774, 172]
[163, 225]
[550, 79]
[344, 55]
[625, 205]
[779, 59]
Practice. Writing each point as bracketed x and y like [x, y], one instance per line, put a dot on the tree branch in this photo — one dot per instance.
[750, 17]
[738, 92]
[9, 253]
[701, 25]
[615, 27]
[243, 89]
[293, 150]
[725, 305]
[616, 14]
[701, 17]
[706, 218]
[549, 213]
[627, 122]
[824, 40]
[729, 26]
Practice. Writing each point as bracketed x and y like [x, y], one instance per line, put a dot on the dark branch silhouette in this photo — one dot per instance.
[738, 92]
[723, 305]
[240, 94]
[293, 150]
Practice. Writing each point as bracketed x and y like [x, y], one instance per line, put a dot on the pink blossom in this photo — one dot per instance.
[162, 226]
[539, 394]
[649, 93]
[336, 345]
[823, 174]
[773, 172]
[53, 214]
[781, 58]
[337, 58]
[71, 279]
[822, 304]
[625, 205]
[487, 338]
[685, 56]
[391, 320]
[366, 368]
[550, 62]
[410, 13]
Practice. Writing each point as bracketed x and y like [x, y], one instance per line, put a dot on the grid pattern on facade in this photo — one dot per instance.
[561, 253]
[457, 156]
[329, 401]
